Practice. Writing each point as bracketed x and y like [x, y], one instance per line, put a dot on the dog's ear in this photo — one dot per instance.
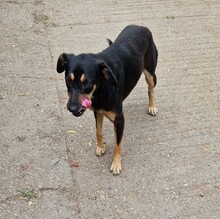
[107, 73]
[61, 62]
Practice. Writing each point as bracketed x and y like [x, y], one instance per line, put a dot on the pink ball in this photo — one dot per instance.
[86, 102]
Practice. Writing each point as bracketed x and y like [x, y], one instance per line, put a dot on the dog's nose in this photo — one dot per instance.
[76, 111]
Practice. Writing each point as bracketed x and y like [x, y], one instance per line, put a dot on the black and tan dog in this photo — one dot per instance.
[107, 78]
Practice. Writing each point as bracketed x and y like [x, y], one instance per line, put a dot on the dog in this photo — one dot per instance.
[107, 78]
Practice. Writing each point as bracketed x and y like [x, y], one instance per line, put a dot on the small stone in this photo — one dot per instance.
[102, 197]
[55, 161]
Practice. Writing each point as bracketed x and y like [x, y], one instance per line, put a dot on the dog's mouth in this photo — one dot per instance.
[76, 111]
[79, 113]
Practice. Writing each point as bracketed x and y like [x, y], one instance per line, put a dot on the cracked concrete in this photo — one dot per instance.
[171, 166]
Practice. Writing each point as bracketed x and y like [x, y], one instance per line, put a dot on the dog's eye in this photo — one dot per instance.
[85, 83]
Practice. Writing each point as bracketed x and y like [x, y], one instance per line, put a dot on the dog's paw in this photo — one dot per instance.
[100, 151]
[152, 111]
[115, 168]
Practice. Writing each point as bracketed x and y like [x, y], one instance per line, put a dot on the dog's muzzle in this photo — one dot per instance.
[78, 113]
[75, 110]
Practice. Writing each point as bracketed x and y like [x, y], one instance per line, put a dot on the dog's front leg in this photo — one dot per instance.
[100, 149]
[118, 128]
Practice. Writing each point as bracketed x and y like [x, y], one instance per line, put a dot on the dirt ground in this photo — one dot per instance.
[171, 162]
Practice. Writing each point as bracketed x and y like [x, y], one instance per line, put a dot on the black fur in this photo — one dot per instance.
[115, 71]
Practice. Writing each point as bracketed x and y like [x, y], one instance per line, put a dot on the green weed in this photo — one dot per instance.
[28, 193]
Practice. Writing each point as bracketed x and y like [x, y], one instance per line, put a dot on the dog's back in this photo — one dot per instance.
[135, 38]
[132, 52]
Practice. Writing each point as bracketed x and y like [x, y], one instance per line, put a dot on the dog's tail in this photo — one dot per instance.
[109, 42]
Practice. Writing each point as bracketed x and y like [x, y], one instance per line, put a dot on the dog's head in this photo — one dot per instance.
[84, 75]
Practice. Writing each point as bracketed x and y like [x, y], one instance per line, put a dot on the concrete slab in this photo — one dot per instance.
[171, 166]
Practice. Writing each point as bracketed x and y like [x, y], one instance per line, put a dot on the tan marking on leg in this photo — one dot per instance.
[82, 78]
[72, 76]
[100, 149]
[150, 81]
[108, 114]
[116, 163]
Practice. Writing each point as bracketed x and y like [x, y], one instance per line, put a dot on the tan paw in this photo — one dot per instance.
[152, 111]
[100, 151]
[116, 167]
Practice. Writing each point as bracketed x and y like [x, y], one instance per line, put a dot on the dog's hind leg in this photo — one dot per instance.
[152, 110]
[150, 63]
[100, 149]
